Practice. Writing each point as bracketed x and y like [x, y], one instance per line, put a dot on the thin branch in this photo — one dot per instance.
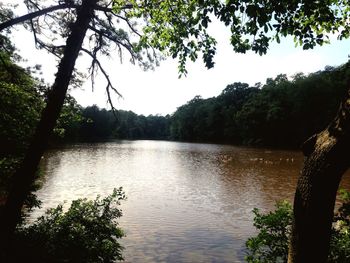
[98, 46]
[35, 14]
[109, 19]
[110, 10]
[130, 26]
[127, 46]
[21, 19]
[29, 2]
[40, 44]
[107, 11]
[109, 86]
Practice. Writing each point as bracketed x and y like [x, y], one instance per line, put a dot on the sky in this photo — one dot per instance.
[161, 91]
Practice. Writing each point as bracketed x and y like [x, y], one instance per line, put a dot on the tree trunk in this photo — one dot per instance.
[25, 175]
[326, 159]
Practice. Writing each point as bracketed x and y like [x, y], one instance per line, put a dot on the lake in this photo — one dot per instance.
[186, 202]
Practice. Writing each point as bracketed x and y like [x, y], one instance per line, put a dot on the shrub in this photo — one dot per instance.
[271, 242]
[86, 232]
[340, 241]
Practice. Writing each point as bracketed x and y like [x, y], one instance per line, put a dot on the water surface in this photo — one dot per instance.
[186, 202]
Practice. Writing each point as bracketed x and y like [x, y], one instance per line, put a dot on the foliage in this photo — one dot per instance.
[280, 113]
[101, 124]
[340, 242]
[97, 123]
[86, 232]
[179, 28]
[309, 22]
[68, 124]
[87, 228]
[271, 242]
[20, 106]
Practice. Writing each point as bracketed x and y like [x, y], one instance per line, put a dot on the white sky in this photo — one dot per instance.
[161, 91]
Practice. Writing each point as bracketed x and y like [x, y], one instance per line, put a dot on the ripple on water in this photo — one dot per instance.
[186, 202]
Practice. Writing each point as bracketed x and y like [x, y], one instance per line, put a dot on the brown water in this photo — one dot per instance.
[186, 202]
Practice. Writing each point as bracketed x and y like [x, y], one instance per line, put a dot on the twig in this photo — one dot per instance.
[128, 46]
[109, 83]
[21, 19]
[35, 14]
[50, 48]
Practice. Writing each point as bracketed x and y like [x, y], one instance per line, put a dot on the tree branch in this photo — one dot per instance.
[130, 25]
[50, 9]
[35, 14]
[110, 10]
[114, 39]
[40, 44]
[109, 86]
[107, 10]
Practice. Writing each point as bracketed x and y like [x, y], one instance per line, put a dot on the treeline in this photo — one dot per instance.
[95, 124]
[281, 113]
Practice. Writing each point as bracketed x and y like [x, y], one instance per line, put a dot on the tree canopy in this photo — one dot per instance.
[280, 113]
[179, 28]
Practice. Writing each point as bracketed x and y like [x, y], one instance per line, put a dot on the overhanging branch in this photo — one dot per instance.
[32, 15]
[128, 46]
[109, 86]
[35, 14]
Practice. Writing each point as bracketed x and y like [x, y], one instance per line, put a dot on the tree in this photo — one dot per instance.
[97, 124]
[25, 175]
[281, 113]
[74, 21]
[21, 102]
[178, 28]
[69, 121]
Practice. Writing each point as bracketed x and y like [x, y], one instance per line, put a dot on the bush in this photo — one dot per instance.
[340, 241]
[271, 243]
[86, 232]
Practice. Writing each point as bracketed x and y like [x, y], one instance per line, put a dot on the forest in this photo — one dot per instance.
[281, 113]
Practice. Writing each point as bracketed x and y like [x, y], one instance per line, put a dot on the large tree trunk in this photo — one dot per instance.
[25, 175]
[327, 158]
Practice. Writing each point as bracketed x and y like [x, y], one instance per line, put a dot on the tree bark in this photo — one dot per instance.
[25, 175]
[326, 159]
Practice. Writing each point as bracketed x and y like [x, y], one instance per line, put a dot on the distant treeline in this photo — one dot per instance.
[99, 124]
[281, 113]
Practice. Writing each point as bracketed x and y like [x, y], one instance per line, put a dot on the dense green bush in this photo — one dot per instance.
[86, 232]
[270, 245]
